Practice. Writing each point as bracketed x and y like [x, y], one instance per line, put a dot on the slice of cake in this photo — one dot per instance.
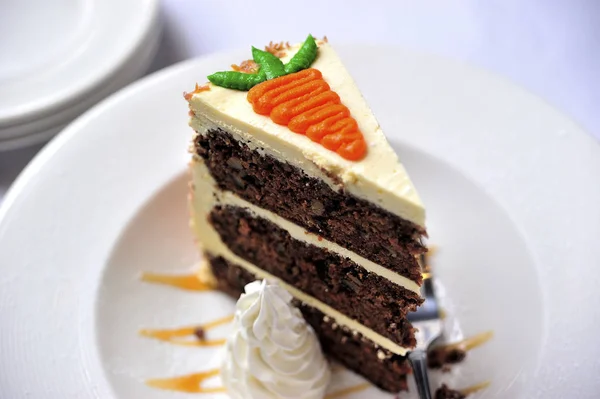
[293, 181]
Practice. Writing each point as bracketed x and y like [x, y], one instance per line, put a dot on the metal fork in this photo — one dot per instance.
[429, 324]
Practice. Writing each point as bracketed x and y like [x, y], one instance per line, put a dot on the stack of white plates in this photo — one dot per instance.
[58, 58]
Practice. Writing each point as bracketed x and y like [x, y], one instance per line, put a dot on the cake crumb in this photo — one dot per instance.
[200, 333]
[437, 358]
[197, 89]
[444, 392]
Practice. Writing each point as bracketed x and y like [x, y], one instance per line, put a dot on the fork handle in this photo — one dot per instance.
[418, 361]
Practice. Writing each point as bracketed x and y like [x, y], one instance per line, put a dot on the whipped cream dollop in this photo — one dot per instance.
[272, 351]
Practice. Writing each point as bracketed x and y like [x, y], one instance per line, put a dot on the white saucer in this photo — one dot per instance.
[76, 55]
[509, 184]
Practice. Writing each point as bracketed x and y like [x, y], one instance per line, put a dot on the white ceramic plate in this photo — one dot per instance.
[56, 52]
[511, 188]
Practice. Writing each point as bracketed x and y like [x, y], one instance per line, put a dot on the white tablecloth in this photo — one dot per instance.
[550, 47]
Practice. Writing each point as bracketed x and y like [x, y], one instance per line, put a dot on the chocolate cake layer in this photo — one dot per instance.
[382, 368]
[342, 284]
[356, 224]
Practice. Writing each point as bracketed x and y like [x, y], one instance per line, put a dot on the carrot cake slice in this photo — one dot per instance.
[293, 181]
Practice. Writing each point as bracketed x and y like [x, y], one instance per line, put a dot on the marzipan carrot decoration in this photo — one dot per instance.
[304, 103]
[297, 96]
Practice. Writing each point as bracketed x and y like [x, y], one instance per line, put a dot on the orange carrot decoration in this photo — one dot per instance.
[297, 96]
[304, 103]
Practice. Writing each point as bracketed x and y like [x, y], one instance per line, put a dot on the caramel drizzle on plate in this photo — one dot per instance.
[174, 335]
[475, 388]
[191, 383]
[347, 391]
[189, 282]
[443, 314]
[470, 343]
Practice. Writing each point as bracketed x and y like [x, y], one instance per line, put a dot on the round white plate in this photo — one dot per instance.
[511, 191]
[53, 53]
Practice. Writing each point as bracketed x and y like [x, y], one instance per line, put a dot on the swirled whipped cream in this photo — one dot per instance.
[272, 351]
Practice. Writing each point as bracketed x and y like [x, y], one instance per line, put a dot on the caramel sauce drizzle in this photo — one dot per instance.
[431, 250]
[475, 388]
[443, 314]
[173, 335]
[189, 282]
[424, 261]
[348, 391]
[470, 343]
[191, 383]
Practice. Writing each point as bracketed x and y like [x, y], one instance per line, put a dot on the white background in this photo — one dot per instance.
[550, 47]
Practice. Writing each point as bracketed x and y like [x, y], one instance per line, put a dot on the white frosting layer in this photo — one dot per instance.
[379, 177]
[272, 353]
[204, 198]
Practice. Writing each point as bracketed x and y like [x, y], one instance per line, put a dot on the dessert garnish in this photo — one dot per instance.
[272, 351]
[297, 96]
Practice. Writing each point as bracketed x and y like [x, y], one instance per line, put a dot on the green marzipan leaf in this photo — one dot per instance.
[270, 67]
[236, 80]
[304, 58]
[270, 64]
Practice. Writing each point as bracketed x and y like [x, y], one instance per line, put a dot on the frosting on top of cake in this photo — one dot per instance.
[379, 177]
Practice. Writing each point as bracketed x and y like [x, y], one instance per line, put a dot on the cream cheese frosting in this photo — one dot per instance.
[272, 352]
[379, 177]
